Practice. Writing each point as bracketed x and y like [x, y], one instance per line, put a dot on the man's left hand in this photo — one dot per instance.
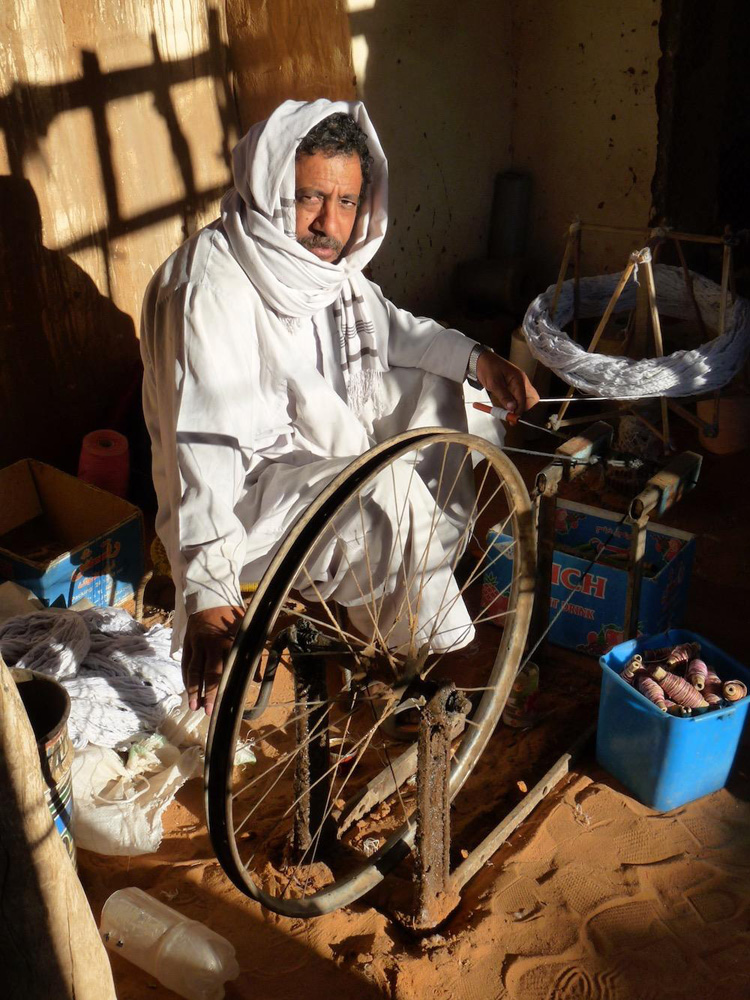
[507, 383]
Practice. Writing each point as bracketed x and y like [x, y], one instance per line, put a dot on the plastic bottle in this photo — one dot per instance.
[181, 953]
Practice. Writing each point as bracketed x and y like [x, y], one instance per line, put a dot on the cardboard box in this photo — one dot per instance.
[593, 620]
[66, 540]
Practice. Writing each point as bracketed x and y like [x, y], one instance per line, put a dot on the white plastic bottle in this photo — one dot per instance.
[181, 953]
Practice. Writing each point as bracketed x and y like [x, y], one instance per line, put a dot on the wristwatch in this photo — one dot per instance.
[471, 366]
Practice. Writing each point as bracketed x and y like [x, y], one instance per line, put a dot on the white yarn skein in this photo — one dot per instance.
[120, 676]
[683, 373]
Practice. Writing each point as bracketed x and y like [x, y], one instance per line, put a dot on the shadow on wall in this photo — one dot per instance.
[70, 355]
[54, 322]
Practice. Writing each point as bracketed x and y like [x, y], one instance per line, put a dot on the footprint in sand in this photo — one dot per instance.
[534, 979]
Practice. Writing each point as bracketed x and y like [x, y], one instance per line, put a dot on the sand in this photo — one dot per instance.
[595, 896]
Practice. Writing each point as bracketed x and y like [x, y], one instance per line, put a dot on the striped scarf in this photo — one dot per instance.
[259, 217]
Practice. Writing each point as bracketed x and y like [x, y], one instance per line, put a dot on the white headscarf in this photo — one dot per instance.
[259, 217]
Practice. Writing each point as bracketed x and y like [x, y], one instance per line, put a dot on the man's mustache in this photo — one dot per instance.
[321, 243]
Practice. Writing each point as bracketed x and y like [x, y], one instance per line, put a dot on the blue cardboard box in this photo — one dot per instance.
[65, 540]
[593, 620]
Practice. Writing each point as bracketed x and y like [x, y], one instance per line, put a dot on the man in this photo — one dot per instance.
[271, 362]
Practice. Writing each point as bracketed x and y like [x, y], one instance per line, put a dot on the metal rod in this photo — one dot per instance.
[599, 399]
[594, 460]
[572, 421]
[537, 427]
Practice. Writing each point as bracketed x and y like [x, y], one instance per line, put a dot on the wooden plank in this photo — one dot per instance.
[495, 840]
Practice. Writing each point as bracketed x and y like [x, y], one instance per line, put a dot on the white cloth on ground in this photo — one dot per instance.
[120, 676]
[245, 429]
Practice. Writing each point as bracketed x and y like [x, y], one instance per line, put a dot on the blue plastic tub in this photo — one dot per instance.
[664, 760]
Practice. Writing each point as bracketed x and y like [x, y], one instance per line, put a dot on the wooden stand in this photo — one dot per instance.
[646, 309]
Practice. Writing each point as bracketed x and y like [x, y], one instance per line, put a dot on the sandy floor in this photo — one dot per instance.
[594, 897]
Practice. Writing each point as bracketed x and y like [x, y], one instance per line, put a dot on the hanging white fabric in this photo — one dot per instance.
[683, 373]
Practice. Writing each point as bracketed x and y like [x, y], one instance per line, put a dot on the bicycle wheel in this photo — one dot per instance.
[374, 592]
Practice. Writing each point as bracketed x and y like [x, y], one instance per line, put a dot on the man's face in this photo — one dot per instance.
[327, 194]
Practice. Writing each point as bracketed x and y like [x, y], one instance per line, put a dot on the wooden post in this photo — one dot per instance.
[49, 942]
[624, 278]
[656, 324]
[576, 282]
[725, 268]
[563, 270]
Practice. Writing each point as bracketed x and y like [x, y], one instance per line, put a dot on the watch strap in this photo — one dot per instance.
[471, 366]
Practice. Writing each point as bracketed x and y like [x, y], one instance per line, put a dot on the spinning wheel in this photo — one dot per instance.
[370, 606]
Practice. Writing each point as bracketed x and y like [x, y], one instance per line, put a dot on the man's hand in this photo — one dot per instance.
[509, 384]
[208, 639]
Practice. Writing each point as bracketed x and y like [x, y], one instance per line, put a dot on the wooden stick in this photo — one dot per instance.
[495, 840]
[596, 227]
[725, 268]
[576, 282]
[717, 408]
[687, 415]
[656, 324]
[651, 427]
[624, 278]
[691, 290]
[563, 271]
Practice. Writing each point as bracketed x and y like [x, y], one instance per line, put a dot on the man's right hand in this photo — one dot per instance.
[208, 639]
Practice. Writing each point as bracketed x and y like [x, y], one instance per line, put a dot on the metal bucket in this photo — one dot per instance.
[47, 705]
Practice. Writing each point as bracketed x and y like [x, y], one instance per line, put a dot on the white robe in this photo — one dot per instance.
[248, 425]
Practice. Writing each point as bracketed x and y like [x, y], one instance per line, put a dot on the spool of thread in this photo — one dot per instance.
[104, 461]
[734, 690]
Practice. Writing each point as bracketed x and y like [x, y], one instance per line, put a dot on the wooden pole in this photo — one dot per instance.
[656, 324]
[576, 282]
[725, 268]
[691, 290]
[49, 942]
[596, 227]
[624, 278]
[563, 270]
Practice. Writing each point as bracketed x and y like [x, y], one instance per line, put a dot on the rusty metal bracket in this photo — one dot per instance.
[311, 772]
[434, 898]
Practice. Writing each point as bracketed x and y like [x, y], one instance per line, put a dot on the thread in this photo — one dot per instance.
[678, 689]
[734, 690]
[653, 691]
[104, 461]
[697, 672]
